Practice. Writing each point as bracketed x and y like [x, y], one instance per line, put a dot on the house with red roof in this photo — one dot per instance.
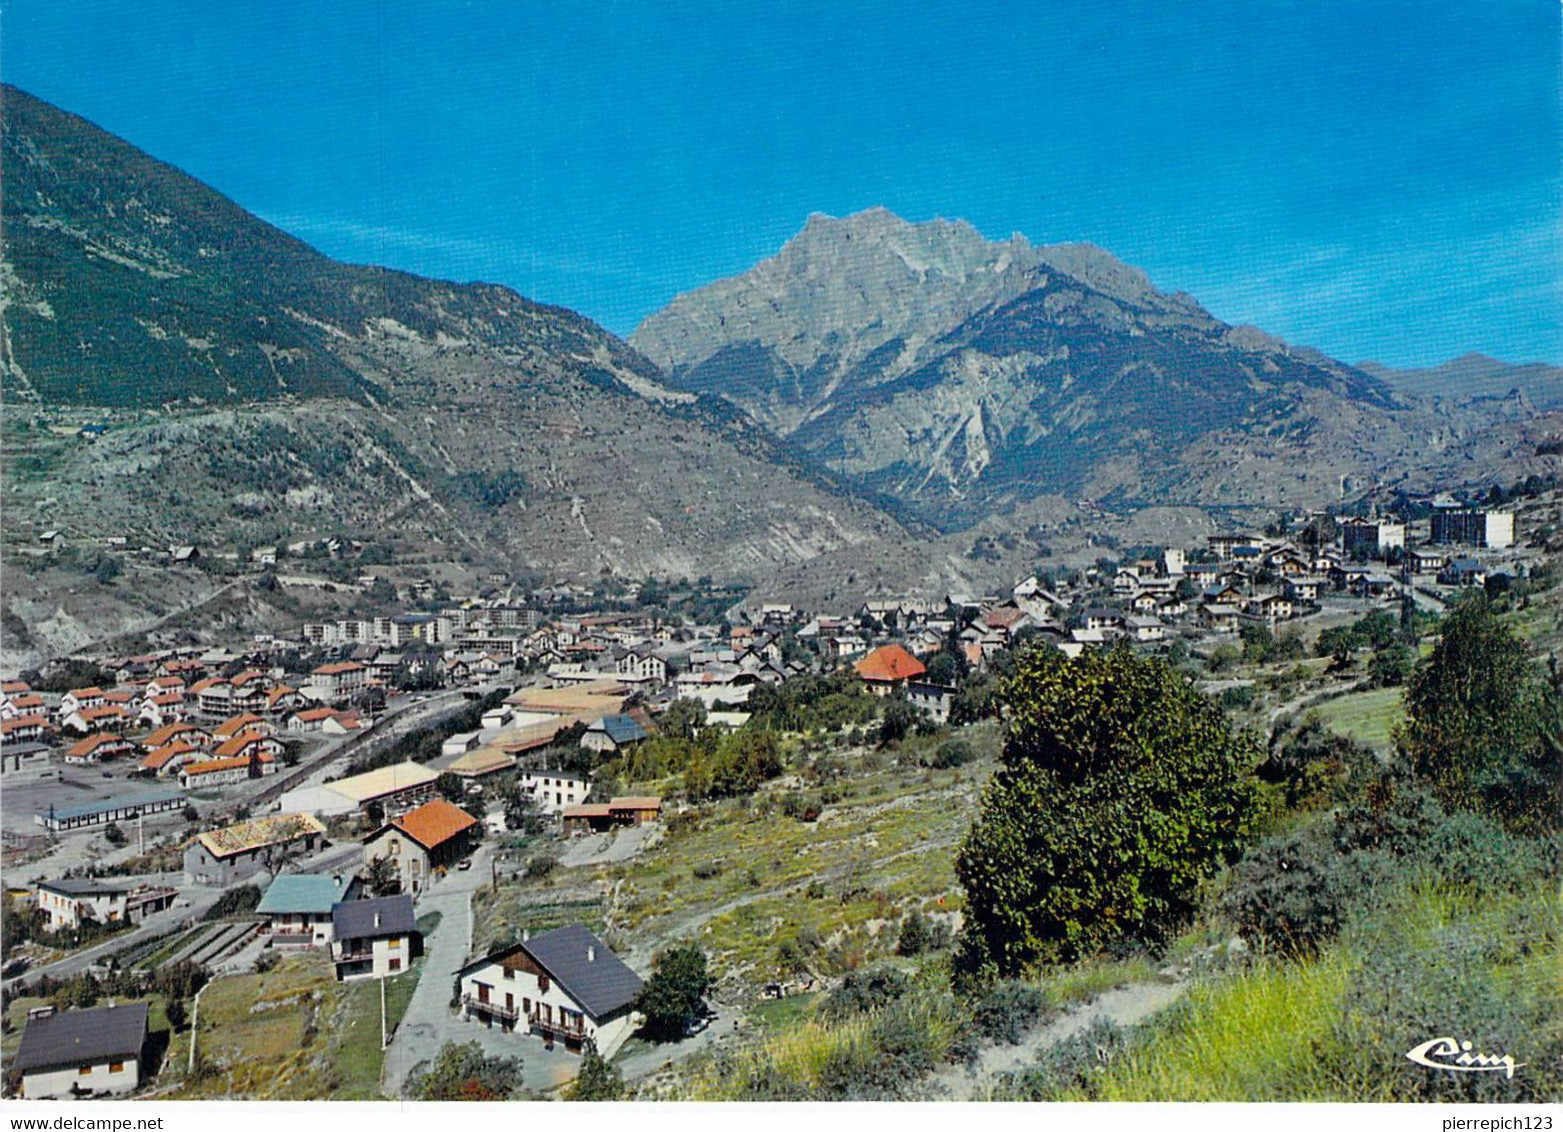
[87, 720]
[432, 837]
[25, 729]
[248, 743]
[78, 699]
[235, 725]
[227, 770]
[97, 748]
[170, 758]
[887, 668]
[339, 681]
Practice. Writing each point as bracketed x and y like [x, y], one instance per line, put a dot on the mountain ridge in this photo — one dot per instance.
[965, 375]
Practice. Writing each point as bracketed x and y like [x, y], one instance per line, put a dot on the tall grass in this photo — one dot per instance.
[1335, 1027]
[1251, 1038]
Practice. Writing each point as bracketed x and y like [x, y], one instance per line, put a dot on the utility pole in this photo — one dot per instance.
[195, 1022]
[384, 1039]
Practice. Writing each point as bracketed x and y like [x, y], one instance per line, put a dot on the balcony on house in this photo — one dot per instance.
[494, 1010]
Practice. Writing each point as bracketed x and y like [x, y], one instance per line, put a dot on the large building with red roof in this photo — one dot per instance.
[887, 668]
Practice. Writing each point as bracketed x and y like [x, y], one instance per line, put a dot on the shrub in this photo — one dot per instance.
[905, 1042]
[1121, 789]
[1008, 1009]
[1073, 1068]
[464, 1073]
[915, 935]
[1315, 767]
[1288, 895]
[542, 865]
[1239, 696]
[597, 1079]
[871, 988]
[949, 754]
[239, 901]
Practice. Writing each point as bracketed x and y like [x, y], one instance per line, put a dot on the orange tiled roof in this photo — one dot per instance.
[212, 766]
[23, 721]
[890, 662]
[92, 714]
[93, 742]
[337, 668]
[434, 823]
[170, 731]
[160, 757]
[202, 685]
[235, 724]
[14, 687]
[236, 744]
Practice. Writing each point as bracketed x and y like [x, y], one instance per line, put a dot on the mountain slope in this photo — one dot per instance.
[257, 391]
[966, 376]
[1476, 375]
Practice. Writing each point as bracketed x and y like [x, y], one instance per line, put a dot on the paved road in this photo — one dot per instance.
[429, 1022]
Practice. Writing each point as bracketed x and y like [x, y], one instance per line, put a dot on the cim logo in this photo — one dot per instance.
[1456, 1057]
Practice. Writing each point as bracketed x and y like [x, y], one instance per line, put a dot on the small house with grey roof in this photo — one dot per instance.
[374, 938]
[563, 985]
[83, 1053]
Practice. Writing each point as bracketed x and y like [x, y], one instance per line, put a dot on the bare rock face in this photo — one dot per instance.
[962, 375]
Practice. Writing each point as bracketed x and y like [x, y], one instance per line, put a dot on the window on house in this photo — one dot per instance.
[395, 944]
[83, 1071]
[116, 1067]
[396, 964]
[542, 983]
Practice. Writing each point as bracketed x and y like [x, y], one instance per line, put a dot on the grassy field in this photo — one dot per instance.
[1367, 717]
[290, 1033]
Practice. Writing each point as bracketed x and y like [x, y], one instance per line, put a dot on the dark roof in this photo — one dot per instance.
[83, 886]
[355, 919]
[601, 984]
[623, 729]
[79, 1037]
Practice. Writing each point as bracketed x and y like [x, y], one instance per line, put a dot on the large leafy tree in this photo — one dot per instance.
[1120, 788]
[673, 992]
[1478, 719]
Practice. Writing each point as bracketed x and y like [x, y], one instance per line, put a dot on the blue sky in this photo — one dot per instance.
[1381, 180]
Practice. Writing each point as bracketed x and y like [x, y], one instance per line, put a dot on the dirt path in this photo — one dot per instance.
[1122, 1006]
